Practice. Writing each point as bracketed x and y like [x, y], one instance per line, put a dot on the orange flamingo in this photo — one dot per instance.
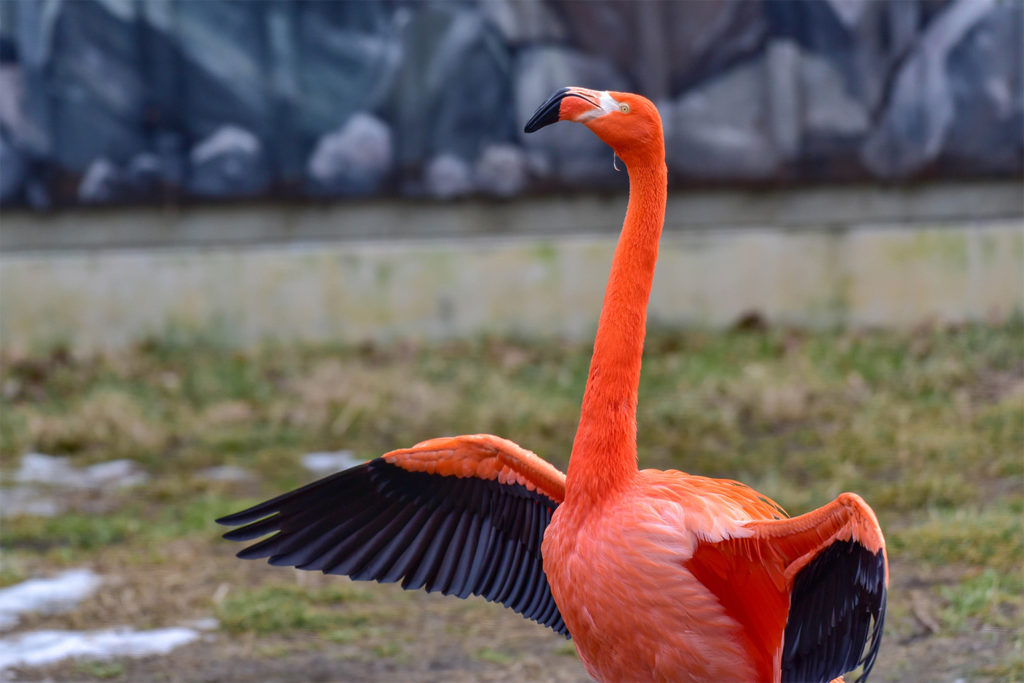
[656, 575]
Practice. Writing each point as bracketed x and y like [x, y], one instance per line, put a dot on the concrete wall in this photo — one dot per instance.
[815, 264]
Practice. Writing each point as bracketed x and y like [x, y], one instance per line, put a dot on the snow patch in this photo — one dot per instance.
[41, 468]
[25, 500]
[57, 594]
[227, 473]
[204, 624]
[38, 468]
[327, 462]
[38, 648]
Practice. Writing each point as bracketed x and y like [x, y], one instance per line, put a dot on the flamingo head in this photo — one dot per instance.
[626, 122]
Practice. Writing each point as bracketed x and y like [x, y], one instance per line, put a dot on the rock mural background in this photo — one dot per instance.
[128, 101]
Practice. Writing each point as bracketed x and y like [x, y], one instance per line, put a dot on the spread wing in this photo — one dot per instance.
[810, 590]
[462, 515]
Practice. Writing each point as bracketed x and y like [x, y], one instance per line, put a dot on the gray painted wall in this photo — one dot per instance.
[113, 101]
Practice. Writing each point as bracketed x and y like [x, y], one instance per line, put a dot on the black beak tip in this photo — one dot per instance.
[547, 113]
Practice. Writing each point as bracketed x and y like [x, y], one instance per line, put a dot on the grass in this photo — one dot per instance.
[927, 424]
[988, 596]
[987, 536]
[100, 668]
[327, 611]
[74, 536]
[489, 654]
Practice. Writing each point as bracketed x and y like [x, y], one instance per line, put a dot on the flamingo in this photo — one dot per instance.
[655, 575]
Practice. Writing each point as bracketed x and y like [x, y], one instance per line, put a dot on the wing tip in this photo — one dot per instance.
[870, 531]
[241, 517]
[861, 617]
[368, 497]
[244, 533]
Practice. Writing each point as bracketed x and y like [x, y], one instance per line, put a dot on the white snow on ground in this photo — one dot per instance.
[27, 500]
[328, 462]
[57, 594]
[38, 648]
[203, 624]
[51, 470]
[226, 473]
[42, 479]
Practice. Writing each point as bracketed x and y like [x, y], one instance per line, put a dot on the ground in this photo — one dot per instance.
[927, 425]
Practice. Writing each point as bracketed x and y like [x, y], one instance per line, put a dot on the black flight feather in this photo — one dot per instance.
[836, 614]
[380, 522]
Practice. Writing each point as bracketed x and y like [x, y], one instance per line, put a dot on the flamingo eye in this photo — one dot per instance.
[623, 107]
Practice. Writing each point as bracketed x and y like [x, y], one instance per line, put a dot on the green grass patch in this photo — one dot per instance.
[990, 596]
[100, 668]
[990, 537]
[10, 574]
[74, 531]
[1011, 668]
[73, 537]
[334, 612]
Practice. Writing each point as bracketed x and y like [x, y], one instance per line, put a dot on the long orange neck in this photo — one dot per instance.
[604, 452]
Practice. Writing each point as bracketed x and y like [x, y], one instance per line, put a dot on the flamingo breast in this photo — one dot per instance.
[634, 611]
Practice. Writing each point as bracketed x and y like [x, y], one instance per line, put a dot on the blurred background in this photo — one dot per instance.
[139, 101]
[247, 243]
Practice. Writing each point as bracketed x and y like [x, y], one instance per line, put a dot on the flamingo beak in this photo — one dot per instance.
[560, 107]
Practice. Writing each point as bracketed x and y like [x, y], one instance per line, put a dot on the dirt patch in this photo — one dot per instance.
[917, 648]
